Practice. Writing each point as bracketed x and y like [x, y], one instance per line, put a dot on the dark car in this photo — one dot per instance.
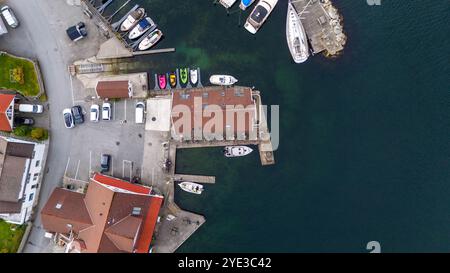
[104, 162]
[77, 32]
[77, 113]
[23, 121]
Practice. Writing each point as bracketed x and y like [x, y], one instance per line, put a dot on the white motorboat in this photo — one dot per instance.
[191, 187]
[236, 151]
[222, 80]
[150, 40]
[227, 3]
[143, 26]
[296, 36]
[132, 19]
[259, 15]
[193, 76]
[245, 4]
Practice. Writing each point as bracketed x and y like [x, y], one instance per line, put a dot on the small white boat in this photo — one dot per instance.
[227, 3]
[150, 40]
[143, 26]
[259, 15]
[236, 151]
[193, 76]
[222, 80]
[191, 187]
[296, 36]
[245, 4]
[132, 19]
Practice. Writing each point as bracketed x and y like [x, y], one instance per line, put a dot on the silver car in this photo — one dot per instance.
[9, 16]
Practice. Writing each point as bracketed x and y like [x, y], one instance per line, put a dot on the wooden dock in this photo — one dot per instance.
[202, 179]
[322, 25]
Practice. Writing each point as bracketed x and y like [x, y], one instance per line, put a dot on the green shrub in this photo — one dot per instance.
[22, 130]
[37, 133]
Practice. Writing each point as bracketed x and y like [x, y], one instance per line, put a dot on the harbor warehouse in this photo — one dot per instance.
[215, 111]
[114, 89]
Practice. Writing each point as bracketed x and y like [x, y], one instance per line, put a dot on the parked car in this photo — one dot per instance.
[140, 112]
[10, 17]
[104, 162]
[23, 121]
[3, 29]
[77, 32]
[106, 111]
[31, 108]
[95, 112]
[77, 113]
[68, 118]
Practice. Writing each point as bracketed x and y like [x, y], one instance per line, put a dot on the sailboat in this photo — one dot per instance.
[296, 36]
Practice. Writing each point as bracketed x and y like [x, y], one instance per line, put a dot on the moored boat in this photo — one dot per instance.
[236, 151]
[162, 81]
[245, 4]
[132, 19]
[296, 36]
[227, 3]
[222, 80]
[193, 76]
[143, 26]
[191, 187]
[183, 75]
[150, 40]
[259, 15]
[173, 79]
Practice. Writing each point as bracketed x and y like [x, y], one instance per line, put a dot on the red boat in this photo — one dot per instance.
[162, 81]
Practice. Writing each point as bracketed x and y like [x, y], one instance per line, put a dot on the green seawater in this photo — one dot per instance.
[364, 153]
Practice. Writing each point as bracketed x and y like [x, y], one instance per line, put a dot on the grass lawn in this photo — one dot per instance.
[10, 239]
[29, 87]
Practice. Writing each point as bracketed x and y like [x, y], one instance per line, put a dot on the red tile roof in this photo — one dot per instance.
[151, 218]
[5, 102]
[115, 182]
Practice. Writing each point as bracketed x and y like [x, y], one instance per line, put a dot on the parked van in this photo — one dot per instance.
[31, 108]
[140, 112]
[9, 16]
[3, 29]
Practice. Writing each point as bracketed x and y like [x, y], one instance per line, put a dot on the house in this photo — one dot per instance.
[20, 169]
[6, 112]
[114, 216]
[114, 89]
[236, 106]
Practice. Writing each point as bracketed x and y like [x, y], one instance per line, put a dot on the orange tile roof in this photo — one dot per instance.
[111, 181]
[5, 102]
[143, 245]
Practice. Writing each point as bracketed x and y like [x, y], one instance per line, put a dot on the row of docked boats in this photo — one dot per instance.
[137, 24]
[185, 76]
[295, 33]
[229, 151]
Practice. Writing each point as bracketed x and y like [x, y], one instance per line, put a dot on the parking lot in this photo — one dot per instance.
[120, 137]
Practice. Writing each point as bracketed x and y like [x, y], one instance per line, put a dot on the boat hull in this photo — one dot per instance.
[193, 76]
[132, 20]
[139, 30]
[184, 75]
[173, 80]
[245, 4]
[151, 40]
[296, 36]
[259, 15]
[224, 80]
[191, 187]
[162, 81]
[236, 151]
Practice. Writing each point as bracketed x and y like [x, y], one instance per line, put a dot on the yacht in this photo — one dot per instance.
[191, 187]
[296, 36]
[143, 26]
[259, 15]
[236, 151]
[245, 4]
[132, 19]
[222, 80]
[150, 40]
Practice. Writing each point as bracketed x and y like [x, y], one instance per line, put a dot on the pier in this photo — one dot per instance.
[202, 179]
[322, 25]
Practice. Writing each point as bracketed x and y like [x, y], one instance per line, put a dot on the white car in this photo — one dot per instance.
[68, 118]
[31, 108]
[9, 16]
[140, 112]
[106, 111]
[95, 112]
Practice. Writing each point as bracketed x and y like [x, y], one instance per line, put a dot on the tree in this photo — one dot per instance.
[37, 133]
[22, 130]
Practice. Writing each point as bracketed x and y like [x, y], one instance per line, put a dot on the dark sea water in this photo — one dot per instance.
[365, 148]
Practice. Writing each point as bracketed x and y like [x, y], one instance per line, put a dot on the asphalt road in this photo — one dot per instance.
[42, 36]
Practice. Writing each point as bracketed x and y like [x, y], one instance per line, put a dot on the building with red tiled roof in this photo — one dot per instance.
[114, 89]
[6, 112]
[113, 216]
